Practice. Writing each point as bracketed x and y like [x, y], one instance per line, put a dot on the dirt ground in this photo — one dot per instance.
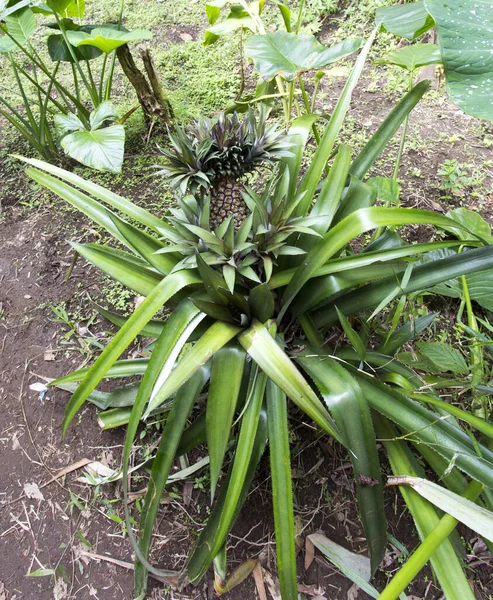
[72, 533]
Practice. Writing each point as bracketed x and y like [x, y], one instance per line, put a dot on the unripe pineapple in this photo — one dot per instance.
[212, 156]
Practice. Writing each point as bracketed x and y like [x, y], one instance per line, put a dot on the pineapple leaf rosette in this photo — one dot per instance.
[254, 281]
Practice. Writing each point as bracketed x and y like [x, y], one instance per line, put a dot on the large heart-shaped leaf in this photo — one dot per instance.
[406, 20]
[472, 221]
[67, 8]
[97, 147]
[58, 50]
[6, 44]
[288, 54]
[101, 149]
[107, 38]
[8, 8]
[412, 57]
[21, 25]
[465, 36]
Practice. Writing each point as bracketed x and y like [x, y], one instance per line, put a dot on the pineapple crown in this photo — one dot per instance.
[224, 147]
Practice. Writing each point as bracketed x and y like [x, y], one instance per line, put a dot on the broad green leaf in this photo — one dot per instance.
[444, 357]
[100, 149]
[120, 266]
[7, 8]
[387, 189]
[21, 25]
[405, 20]
[424, 277]
[429, 427]
[355, 566]
[213, 10]
[470, 219]
[144, 313]
[380, 139]
[58, 50]
[161, 466]
[412, 57]
[261, 302]
[444, 560]
[273, 361]
[282, 491]
[250, 445]
[355, 224]
[465, 38]
[224, 388]
[6, 44]
[60, 6]
[308, 185]
[104, 112]
[226, 27]
[475, 517]
[350, 410]
[217, 336]
[122, 204]
[107, 38]
[288, 54]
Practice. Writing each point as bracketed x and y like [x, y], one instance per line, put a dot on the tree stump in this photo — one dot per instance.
[157, 109]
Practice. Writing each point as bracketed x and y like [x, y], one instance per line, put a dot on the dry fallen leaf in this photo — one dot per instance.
[49, 355]
[352, 593]
[31, 490]
[60, 589]
[273, 585]
[259, 581]
[298, 533]
[309, 553]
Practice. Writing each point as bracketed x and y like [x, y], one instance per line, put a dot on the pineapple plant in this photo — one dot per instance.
[212, 157]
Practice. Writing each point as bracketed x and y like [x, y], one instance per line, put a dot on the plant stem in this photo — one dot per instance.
[101, 78]
[301, 7]
[403, 135]
[109, 81]
[259, 26]
[423, 553]
[91, 79]
[308, 108]
[90, 89]
[39, 63]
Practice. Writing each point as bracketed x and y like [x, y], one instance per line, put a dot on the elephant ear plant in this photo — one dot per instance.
[256, 305]
[86, 126]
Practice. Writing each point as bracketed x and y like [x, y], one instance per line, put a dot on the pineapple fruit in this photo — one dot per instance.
[212, 156]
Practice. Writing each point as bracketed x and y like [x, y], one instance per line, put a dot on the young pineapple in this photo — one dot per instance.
[212, 156]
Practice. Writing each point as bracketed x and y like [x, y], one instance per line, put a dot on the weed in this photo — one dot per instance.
[454, 178]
